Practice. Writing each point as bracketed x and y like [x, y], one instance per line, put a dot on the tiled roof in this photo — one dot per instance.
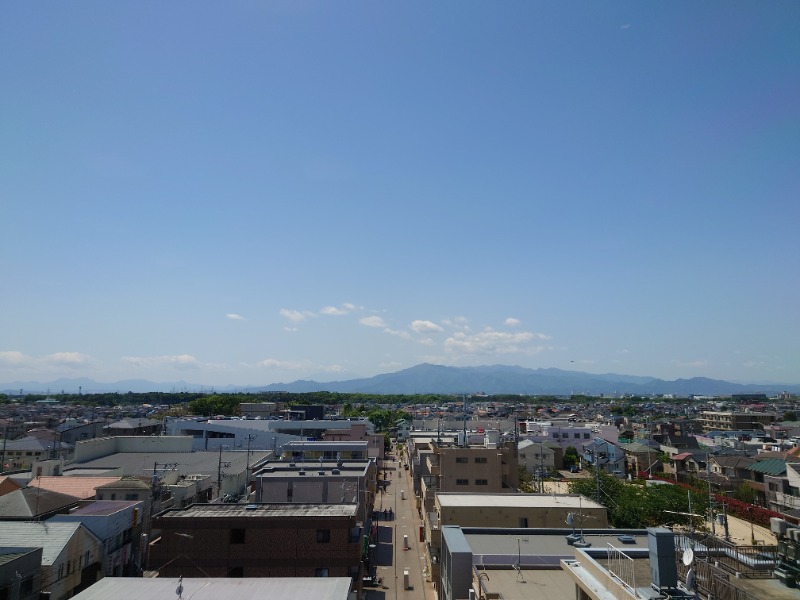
[81, 487]
[32, 502]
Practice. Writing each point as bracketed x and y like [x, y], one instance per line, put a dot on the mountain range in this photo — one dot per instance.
[439, 379]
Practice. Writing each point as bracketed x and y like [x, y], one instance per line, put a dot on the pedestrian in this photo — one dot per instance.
[384, 514]
[391, 514]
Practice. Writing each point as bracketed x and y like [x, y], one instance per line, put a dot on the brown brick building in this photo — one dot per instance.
[259, 540]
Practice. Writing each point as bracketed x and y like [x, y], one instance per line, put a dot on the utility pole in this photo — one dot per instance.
[710, 495]
[250, 437]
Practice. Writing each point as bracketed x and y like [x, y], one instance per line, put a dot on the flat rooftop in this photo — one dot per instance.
[249, 588]
[187, 463]
[542, 584]
[254, 511]
[536, 549]
[571, 501]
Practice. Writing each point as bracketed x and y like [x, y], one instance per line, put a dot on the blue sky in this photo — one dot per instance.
[257, 192]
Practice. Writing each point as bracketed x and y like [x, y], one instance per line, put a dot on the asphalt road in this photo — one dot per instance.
[391, 557]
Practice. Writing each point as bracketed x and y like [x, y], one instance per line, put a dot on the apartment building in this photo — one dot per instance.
[489, 468]
[712, 420]
[259, 540]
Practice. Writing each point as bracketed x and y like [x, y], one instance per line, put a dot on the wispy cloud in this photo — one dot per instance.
[401, 333]
[338, 311]
[694, 364]
[372, 321]
[490, 341]
[297, 316]
[235, 317]
[72, 360]
[177, 361]
[426, 327]
[460, 323]
[512, 322]
[274, 364]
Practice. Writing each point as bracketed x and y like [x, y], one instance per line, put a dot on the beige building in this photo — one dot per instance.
[734, 421]
[490, 468]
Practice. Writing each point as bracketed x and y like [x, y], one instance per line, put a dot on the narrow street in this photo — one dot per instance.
[398, 549]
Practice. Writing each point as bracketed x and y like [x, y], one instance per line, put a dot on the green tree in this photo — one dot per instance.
[745, 493]
[571, 457]
[790, 416]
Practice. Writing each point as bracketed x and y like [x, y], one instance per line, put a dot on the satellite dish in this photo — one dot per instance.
[688, 556]
[570, 518]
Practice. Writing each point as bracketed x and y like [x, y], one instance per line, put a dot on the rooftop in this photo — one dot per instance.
[186, 463]
[80, 487]
[571, 501]
[274, 510]
[274, 588]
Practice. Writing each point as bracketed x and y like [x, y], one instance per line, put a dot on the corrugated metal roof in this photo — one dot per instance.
[770, 466]
[50, 537]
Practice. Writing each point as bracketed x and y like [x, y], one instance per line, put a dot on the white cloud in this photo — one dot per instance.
[426, 341]
[401, 333]
[12, 358]
[296, 316]
[68, 359]
[337, 311]
[425, 327]
[235, 317]
[297, 365]
[490, 341]
[177, 361]
[290, 329]
[72, 360]
[694, 364]
[512, 322]
[372, 321]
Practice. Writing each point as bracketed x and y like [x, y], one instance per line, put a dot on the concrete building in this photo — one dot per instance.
[319, 482]
[506, 511]
[489, 468]
[259, 540]
[711, 420]
[540, 457]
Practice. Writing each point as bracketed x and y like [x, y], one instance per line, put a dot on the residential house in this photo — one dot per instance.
[71, 559]
[118, 526]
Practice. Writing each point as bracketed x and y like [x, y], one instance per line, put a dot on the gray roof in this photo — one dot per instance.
[249, 588]
[50, 537]
[187, 463]
[32, 502]
[275, 510]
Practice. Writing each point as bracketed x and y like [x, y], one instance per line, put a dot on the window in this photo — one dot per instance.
[577, 436]
[131, 496]
[555, 435]
[586, 436]
[462, 459]
[323, 537]
[321, 572]
[237, 536]
[481, 482]
[462, 481]
[481, 460]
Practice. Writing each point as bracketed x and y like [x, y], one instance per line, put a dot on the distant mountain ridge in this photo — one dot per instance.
[439, 379]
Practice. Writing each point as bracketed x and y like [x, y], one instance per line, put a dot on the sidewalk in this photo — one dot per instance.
[390, 557]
